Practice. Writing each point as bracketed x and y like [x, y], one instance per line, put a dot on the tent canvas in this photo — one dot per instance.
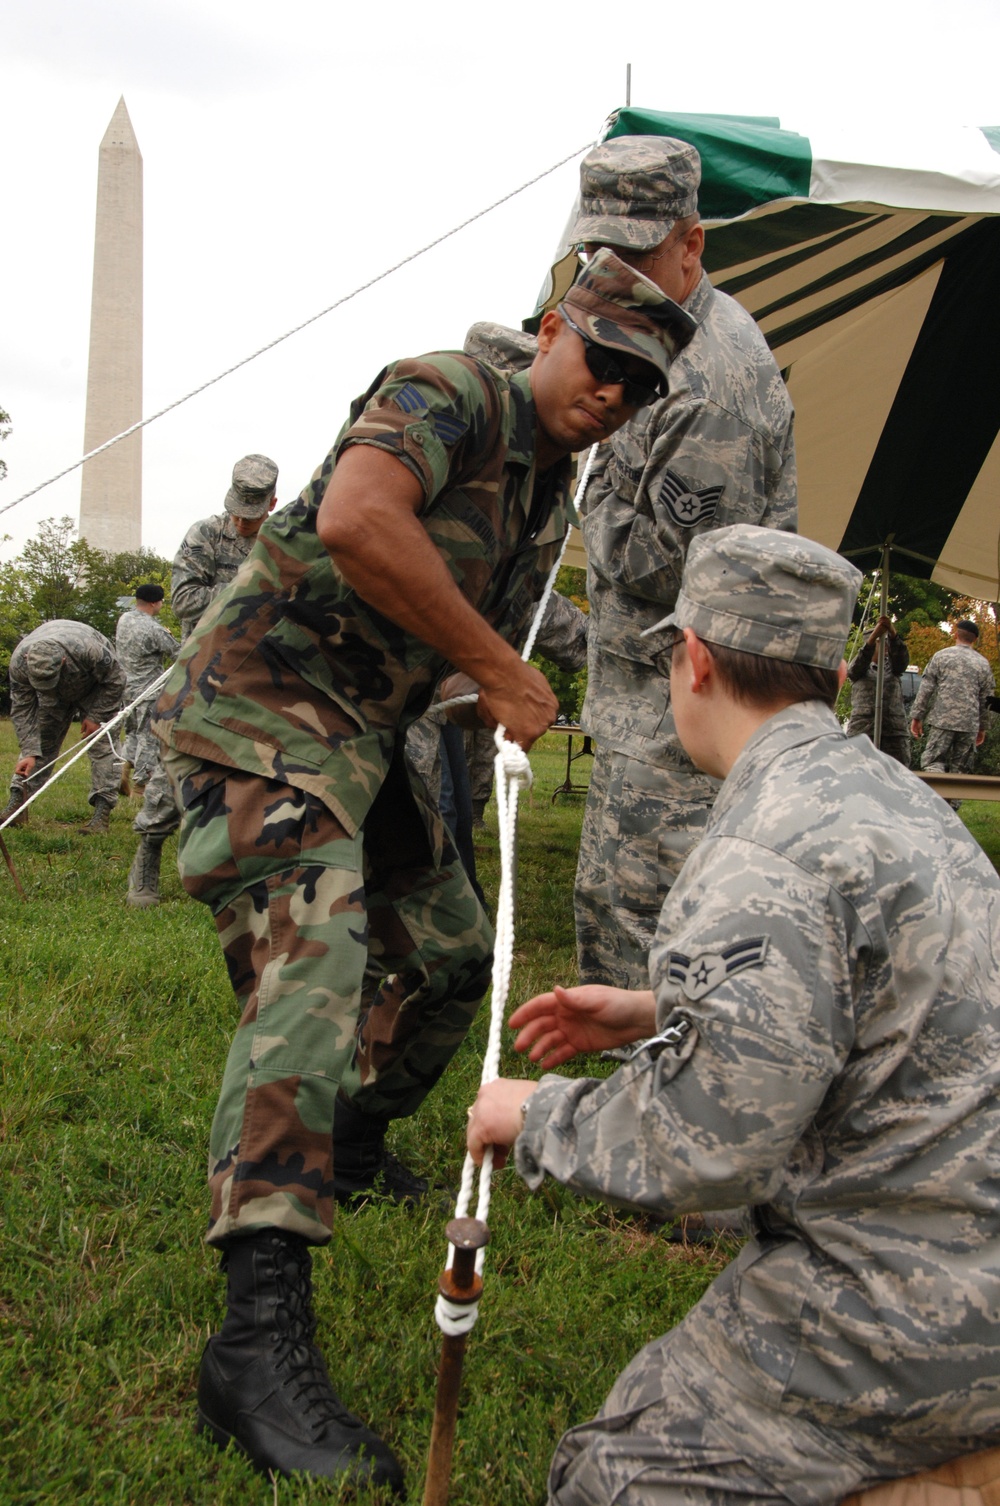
[870, 263]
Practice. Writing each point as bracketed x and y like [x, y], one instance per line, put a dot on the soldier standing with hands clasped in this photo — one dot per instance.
[954, 700]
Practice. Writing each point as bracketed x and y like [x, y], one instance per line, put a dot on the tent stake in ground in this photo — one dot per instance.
[461, 1285]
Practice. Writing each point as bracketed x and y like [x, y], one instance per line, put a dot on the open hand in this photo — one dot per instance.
[553, 1027]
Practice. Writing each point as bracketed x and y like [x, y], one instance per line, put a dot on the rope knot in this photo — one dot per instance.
[514, 762]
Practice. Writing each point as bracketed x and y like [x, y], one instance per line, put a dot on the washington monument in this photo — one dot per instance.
[111, 493]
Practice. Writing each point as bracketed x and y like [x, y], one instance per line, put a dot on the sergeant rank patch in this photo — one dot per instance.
[697, 976]
[688, 508]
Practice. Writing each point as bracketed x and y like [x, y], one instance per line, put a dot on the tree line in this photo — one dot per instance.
[58, 574]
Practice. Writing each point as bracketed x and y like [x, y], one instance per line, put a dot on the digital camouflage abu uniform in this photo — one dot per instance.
[60, 671]
[827, 975]
[284, 719]
[953, 702]
[863, 675]
[208, 559]
[142, 645]
[717, 450]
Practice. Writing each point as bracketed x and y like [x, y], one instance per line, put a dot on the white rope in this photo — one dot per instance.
[363, 287]
[512, 770]
[104, 730]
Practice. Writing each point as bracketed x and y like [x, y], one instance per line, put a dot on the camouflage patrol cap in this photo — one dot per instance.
[43, 661]
[618, 307]
[506, 350]
[765, 592]
[254, 480]
[634, 188]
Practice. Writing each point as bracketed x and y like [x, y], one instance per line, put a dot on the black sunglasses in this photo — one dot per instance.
[603, 365]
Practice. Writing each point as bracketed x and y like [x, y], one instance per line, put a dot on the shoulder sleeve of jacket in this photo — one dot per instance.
[433, 413]
[755, 1023]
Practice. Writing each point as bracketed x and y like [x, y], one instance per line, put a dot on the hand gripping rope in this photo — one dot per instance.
[461, 1285]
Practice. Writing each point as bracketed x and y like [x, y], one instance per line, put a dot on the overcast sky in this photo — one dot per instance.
[293, 151]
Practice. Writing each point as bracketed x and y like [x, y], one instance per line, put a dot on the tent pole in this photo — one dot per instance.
[882, 649]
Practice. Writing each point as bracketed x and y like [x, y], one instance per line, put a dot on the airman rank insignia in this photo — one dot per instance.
[697, 976]
[410, 399]
[447, 427]
[688, 508]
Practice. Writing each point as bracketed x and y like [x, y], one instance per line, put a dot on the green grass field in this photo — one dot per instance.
[113, 1032]
[114, 1029]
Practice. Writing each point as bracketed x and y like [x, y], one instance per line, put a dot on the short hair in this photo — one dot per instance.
[758, 680]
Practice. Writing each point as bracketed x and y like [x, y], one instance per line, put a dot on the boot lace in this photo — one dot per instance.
[304, 1372]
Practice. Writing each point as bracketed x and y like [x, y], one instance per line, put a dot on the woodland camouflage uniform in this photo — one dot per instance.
[717, 450]
[827, 977]
[284, 720]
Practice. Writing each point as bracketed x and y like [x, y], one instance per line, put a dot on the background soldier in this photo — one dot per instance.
[61, 670]
[423, 540]
[954, 700]
[142, 645]
[826, 1000]
[212, 552]
[215, 548]
[717, 450]
[863, 675]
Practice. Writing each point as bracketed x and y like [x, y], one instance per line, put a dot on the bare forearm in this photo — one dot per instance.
[411, 585]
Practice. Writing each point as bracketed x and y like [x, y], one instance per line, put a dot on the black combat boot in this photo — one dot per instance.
[144, 874]
[361, 1163]
[263, 1384]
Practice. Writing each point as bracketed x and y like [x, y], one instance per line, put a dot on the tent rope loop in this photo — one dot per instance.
[512, 770]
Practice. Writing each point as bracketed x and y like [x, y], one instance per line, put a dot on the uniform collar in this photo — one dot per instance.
[700, 299]
[805, 722]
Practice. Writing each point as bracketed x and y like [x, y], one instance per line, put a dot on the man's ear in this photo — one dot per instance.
[841, 673]
[699, 659]
[694, 246]
[548, 330]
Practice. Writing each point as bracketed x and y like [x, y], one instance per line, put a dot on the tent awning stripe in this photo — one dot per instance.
[911, 241]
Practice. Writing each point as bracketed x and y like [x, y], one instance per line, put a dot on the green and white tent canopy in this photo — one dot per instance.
[872, 264]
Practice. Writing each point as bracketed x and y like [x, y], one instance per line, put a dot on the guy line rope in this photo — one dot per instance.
[104, 730]
[363, 287]
[512, 769]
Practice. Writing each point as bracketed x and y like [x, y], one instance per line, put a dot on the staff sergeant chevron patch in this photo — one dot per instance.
[688, 508]
[698, 975]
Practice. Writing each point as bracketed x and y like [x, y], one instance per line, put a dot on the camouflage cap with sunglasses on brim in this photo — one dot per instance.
[615, 306]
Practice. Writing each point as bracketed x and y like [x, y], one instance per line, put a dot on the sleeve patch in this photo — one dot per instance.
[686, 507]
[410, 399]
[447, 427]
[697, 976]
